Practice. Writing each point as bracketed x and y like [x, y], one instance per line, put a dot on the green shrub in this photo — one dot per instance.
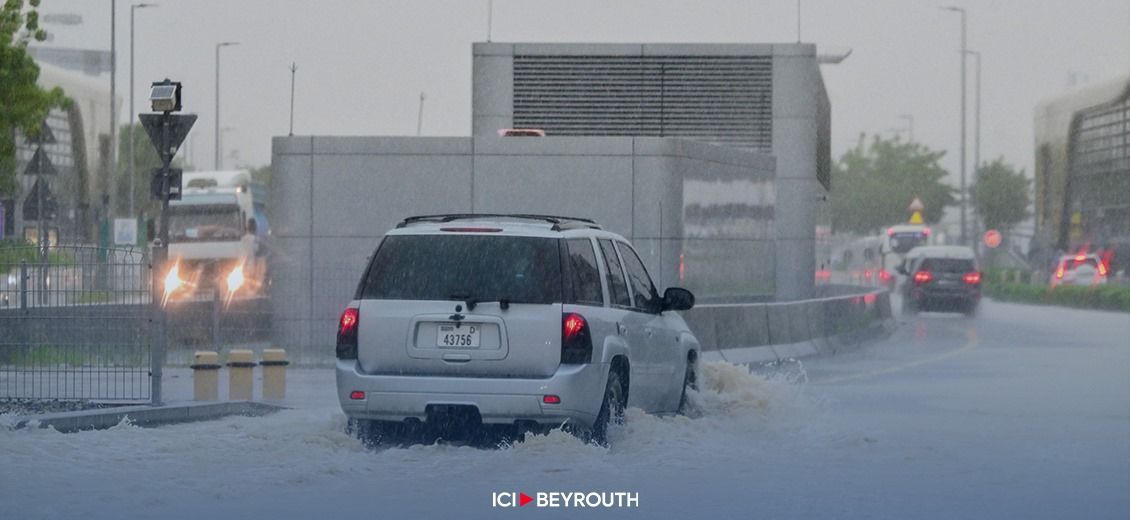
[1104, 297]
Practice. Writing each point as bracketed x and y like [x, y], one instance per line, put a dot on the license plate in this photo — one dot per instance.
[466, 335]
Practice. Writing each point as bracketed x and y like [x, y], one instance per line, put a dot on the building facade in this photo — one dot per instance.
[1082, 195]
[766, 98]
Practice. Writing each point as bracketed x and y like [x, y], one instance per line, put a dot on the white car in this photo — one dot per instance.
[520, 321]
[1081, 269]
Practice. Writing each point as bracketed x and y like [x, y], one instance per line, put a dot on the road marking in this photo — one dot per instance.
[970, 344]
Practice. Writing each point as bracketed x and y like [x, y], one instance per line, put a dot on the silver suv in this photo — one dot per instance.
[522, 321]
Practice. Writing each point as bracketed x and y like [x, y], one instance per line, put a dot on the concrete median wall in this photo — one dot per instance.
[772, 331]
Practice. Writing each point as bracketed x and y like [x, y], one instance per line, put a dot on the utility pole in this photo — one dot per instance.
[490, 18]
[420, 116]
[963, 198]
[910, 126]
[216, 162]
[293, 69]
[132, 160]
[113, 170]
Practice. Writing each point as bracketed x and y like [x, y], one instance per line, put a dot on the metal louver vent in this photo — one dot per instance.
[716, 99]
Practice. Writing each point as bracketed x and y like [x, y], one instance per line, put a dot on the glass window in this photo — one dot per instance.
[947, 265]
[458, 267]
[586, 274]
[642, 289]
[617, 288]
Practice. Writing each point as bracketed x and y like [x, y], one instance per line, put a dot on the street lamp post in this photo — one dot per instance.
[112, 170]
[132, 116]
[976, 114]
[963, 53]
[216, 163]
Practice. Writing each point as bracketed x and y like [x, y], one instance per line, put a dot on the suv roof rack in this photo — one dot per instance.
[559, 223]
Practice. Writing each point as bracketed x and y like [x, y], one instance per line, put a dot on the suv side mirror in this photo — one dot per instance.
[677, 299]
[252, 226]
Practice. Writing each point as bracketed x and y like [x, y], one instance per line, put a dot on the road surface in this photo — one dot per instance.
[1020, 412]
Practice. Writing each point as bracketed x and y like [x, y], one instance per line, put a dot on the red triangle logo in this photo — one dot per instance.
[524, 499]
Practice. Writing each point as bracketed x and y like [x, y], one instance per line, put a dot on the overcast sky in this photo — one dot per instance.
[363, 64]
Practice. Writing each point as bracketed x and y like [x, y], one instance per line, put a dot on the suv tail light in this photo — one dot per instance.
[1060, 270]
[884, 275]
[1102, 269]
[973, 278]
[347, 334]
[576, 340]
[923, 277]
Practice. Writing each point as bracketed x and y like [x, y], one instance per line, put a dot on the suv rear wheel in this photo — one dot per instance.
[611, 409]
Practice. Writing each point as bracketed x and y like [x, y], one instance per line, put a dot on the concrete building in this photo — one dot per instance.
[713, 159]
[78, 154]
[769, 98]
[1082, 194]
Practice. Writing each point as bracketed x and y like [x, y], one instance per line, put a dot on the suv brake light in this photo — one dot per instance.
[973, 278]
[923, 277]
[576, 340]
[347, 334]
[1102, 269]
[1060, 270]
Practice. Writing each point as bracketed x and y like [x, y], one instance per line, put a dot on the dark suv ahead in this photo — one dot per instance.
[941, 278]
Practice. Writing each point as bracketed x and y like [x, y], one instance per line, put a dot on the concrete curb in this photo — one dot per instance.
[145, 415]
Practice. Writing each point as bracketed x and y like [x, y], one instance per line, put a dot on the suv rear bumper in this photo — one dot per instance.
[498, 400]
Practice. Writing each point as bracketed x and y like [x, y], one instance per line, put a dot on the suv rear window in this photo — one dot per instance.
[946, 265]
[455, 267]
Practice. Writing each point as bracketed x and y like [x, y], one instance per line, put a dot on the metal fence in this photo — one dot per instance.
[74, 323]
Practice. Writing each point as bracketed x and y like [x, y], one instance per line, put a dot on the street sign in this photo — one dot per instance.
[916, 205]
[916, 218]
[46, 136]
[31, 202]
[125, 231]
[40, 164]
[157, 185]
[992, 238]
[179, 125]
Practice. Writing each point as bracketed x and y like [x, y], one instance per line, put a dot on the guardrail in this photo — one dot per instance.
[827, 325]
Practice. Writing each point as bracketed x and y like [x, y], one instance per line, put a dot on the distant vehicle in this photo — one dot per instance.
[512, 321]
[521, 132]
[941, 278]
[216, 235]
[873, 260]
[1079, 269]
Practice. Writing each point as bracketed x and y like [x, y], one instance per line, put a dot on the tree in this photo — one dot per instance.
[1000, 195]
[25, 104]
[874, 183]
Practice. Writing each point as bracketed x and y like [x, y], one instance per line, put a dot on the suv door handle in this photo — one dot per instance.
[621, 329]
[647, 330]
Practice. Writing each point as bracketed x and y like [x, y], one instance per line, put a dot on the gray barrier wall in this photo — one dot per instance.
[700, 215]
[779, 330]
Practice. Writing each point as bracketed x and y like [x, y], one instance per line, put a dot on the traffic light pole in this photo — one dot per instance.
[166, 131]
[160, 258]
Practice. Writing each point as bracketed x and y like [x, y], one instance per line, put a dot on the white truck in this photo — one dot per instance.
[217, 232]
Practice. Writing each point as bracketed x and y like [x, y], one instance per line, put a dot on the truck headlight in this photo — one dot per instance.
[235, 279]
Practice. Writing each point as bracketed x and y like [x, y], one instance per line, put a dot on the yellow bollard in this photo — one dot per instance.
[240, 366]
[274, 374]
[205, 376]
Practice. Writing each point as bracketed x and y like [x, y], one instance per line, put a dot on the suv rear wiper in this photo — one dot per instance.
[471, 301]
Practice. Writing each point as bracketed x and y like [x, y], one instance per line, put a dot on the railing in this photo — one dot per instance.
[74, 323]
